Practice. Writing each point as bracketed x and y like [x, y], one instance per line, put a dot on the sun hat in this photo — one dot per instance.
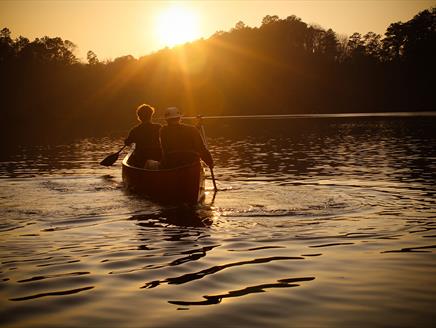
[172, 112]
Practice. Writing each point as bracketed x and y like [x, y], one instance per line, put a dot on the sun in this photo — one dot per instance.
[177, 25]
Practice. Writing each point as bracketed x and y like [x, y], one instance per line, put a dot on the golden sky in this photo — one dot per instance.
[117, 28]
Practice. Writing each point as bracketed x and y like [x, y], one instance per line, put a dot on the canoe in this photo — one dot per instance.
[183, 184]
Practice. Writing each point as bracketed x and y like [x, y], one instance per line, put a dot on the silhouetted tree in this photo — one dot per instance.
[412, 40]
[6, 45]
[268, 19]
[92, 58]
[239, 26]
[372, 45]
[329, 45]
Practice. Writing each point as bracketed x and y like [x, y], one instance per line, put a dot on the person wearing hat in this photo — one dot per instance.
[146, 138]
[181, 142]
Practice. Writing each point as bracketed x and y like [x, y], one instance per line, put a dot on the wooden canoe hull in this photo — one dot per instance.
[179, 185]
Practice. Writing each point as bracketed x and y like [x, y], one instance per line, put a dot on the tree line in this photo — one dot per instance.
[284, 66]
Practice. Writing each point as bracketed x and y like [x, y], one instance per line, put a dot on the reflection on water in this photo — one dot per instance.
[215, 299]
[198, 275]
[183, 216]
[318, 222]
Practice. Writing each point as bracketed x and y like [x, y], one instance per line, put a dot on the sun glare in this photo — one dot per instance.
[177, 25]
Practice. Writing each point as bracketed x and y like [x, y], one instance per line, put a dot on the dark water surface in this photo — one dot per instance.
[319, 222]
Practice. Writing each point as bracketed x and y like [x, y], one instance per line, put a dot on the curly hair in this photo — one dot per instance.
[144, 112]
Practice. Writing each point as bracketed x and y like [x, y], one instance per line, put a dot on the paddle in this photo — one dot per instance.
[112, 158]
[203, 135]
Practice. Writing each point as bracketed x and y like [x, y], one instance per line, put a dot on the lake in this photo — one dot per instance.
[321, 221]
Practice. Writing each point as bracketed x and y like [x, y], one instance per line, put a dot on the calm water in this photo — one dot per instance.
[318, 222]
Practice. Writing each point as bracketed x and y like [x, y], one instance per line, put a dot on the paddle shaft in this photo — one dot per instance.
[119, 151]
[203, 134]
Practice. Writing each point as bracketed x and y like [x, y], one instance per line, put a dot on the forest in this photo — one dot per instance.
[284, 66]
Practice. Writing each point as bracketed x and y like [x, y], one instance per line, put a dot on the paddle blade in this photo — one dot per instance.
[110, 160]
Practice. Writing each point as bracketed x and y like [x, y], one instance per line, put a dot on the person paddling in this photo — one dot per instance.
[145, 136]
[180, 142]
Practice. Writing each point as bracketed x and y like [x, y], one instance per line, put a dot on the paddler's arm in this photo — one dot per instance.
[202, 150]
[130, 137]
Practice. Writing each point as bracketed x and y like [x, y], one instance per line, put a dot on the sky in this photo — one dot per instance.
[117, 28]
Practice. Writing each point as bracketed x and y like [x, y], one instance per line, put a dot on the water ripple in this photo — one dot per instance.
[194, 256]
[418, 249]
[201, 274]
[53, 276]
[331, 244]
[58, 293]
[216, 299]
